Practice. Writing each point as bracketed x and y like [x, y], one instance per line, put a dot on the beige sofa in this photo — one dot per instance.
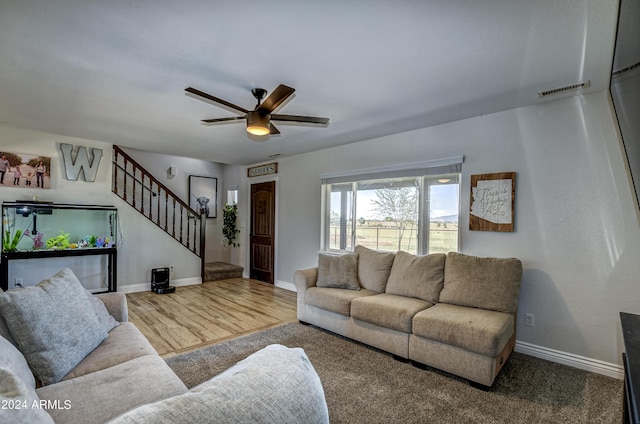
[453, 312]
[123, 380]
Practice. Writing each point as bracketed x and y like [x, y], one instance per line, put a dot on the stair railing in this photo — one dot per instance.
[137, 187]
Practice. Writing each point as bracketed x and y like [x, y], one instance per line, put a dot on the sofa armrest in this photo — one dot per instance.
[305, 278]
[116, 304]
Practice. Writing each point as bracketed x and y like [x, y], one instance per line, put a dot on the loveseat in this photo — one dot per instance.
[454, 312]
[50, 370]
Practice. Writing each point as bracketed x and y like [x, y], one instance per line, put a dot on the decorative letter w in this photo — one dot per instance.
[81, 163]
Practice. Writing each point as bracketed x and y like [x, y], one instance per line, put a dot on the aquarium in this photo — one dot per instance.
[39, 239]
[35, 226]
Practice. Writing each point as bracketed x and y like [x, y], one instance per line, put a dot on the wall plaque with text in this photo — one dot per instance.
[258, 171]
[492, 202]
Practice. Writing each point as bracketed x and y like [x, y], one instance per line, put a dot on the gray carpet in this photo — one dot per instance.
[364, 385]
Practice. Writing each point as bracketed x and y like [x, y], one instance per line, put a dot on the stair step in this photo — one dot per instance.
[214, 271]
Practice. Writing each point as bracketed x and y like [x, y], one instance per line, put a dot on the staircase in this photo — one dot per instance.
[214, 271]
[136, 186]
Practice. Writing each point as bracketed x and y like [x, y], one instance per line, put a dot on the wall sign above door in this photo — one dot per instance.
[258, 171]
[492, 202]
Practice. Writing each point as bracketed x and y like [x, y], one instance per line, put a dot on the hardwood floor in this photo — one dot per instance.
[199, 315]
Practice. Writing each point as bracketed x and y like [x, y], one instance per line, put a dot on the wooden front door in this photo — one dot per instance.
[262, 235]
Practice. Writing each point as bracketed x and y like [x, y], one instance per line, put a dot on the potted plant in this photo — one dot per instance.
[229, 226]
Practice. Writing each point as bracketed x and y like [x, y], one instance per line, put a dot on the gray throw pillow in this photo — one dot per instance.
[338, 271]
[19, 406]
[104, 317]
[54, 325]
[421, 277]
[106, 320]
[374, 268]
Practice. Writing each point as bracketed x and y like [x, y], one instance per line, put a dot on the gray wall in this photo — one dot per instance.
[143, 246]
[577, 229]
[577, 225]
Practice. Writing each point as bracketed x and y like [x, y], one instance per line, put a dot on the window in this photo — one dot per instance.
[232, 195]
[415, 210]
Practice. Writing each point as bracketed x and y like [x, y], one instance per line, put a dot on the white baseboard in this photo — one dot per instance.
[136, 288]
[285, 285]
[576, 361]
[565, 358]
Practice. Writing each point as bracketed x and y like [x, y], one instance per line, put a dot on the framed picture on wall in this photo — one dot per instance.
[203, 194]
[23, 170]
[492, 202]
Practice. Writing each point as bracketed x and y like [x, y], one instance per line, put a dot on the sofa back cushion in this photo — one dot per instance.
[12, 360]
[487, 283]
[374, 268]
[417, 276]
[274, 385]
[338, 271]
[19, 403]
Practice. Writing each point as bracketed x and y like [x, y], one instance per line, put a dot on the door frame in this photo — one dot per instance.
[258, 180]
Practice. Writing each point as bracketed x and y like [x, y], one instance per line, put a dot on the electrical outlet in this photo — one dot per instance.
[529, 320]
[18, 282]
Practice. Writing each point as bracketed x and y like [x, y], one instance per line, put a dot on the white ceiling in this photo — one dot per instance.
[116, 70]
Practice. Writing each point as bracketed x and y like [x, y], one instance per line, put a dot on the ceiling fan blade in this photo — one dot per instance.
[215, 99]
[273, 129]
[275, 99]
[297, 118]
[232, 118]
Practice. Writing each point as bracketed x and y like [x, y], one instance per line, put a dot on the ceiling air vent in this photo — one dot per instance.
[623, 71]
[566, 88]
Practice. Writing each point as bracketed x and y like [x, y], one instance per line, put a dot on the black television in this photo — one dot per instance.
[625, 85]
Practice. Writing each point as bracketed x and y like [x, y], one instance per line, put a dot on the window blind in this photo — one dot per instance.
[416, 169]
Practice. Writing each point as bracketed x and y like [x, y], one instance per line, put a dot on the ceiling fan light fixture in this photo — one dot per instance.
[258, 124]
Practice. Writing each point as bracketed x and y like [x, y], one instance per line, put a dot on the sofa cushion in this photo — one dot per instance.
[477, 330]
[417, 276]
[116, 305]
[103, 395]
[374, 268]
[334, 300]
[338, 271]
[11, 359]
[486, 283]
[124, 343]
[54, 325]
[17, 404]
[274, 385]
[388, 310]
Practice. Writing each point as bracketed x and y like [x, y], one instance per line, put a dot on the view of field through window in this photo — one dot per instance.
[389, 213]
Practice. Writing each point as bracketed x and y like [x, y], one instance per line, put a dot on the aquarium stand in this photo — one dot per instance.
[111, 253]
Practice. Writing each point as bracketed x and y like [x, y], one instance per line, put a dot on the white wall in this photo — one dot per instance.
[143, 246]
[577, 229]
[158, 165]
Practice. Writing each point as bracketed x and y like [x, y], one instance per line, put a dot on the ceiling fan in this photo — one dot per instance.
[259, 119]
